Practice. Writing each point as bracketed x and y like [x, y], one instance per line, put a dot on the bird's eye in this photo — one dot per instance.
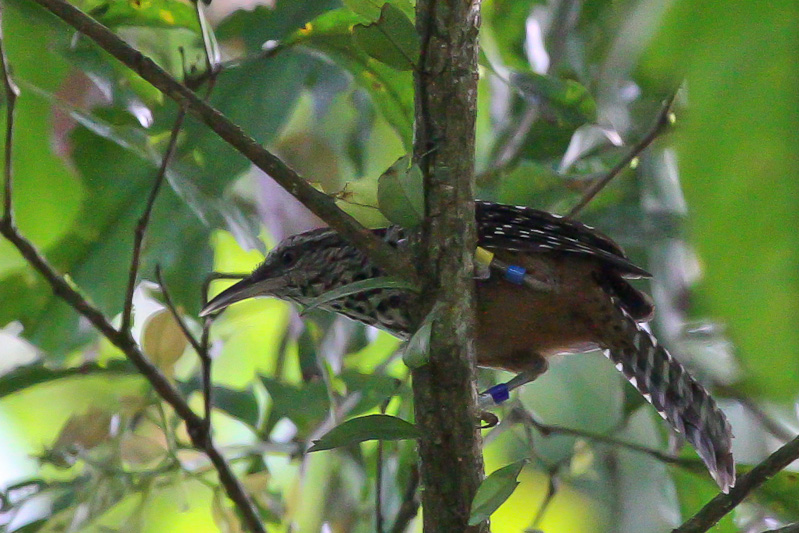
[287, 257]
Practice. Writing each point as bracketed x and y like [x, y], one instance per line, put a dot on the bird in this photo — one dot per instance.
[553, 286]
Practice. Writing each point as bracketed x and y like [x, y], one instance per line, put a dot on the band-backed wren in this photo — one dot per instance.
[562, 287]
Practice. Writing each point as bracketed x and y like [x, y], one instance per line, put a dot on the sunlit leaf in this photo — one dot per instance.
[163, 341]
[359, 199]
[370, 427]
[37, 373]
[494, 490]
[392, 39]
[357, 287]
[737, 145]
[81, 433]
[567, 99]
[781, 495]
[239, 404]
[391, 90]
[224, 514]
[400, 192]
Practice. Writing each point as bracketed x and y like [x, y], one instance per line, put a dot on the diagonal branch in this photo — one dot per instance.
[662, 121]
[318, 202]
[144, 220]
[197, 429]
[11, 93]
[722, 504]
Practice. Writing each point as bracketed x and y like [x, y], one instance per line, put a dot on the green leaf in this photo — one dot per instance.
[506, 20]
[154, 13]
[355, 288]
[694, 490]
[530, 183]
[96, 250]
[374, 389]
[41, 178]
[567, 99]
[737, 151]
[240, 404]
[254, 27]
[417, 352]
[370, 9]
[370, 427]
[25, 377]
[400, 193]
[391, 90]
[780, 494]
[392, 39]
[494, 490]
[305, 405]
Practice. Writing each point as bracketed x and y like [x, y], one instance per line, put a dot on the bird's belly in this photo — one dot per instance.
[516, 324]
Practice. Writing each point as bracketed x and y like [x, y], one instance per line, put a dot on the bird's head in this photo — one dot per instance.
[300, 268]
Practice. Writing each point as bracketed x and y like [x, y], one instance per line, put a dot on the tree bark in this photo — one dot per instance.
[444, 392]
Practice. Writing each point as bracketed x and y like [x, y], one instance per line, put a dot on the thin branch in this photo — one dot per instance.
[410, 503]
[769, 424]
[379, 477]
[122, 339]
[144, 220]
[662, 121]
[201, 347]
[547, 430]
[11, 93]
[793, 528]
[318, 202]
[174, 311]
[724, 503]
[267, 52]
[552, 489]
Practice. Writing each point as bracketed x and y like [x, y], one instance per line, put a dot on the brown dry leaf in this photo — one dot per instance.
[139, 450]
[163, 341]
[225, 516]
[83, 432]
[257, 486]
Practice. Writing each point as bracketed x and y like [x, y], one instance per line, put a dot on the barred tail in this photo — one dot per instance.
[679, 399]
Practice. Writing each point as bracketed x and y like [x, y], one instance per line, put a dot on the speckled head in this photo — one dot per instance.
[300, 268]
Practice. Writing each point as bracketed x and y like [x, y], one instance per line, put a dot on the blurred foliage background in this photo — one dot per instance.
[567, 87]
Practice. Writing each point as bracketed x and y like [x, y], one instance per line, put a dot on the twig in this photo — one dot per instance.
[547, 430]
[122, 339]
[722, 504]
[793, 528]
[661, 122]
[175, 314]
[144, 221]
[199, 346]
[410, 503]
[266, 53]
[318, 202]
[552, 489]
[379, 477]
[769, 424]
[11, 93]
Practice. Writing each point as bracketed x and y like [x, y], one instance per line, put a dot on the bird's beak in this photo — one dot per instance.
[246, 288]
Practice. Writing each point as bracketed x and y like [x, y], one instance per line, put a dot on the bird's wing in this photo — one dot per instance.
[525, 229]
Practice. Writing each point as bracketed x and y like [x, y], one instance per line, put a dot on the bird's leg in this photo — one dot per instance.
[501, 392]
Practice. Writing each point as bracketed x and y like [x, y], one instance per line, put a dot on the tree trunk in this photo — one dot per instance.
[444, 393]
